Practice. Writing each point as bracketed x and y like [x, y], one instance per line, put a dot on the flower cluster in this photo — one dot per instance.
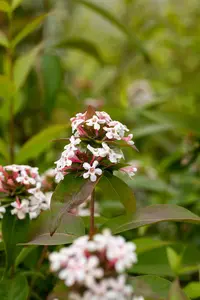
[20, 191]
[95, 268]
[95, 146]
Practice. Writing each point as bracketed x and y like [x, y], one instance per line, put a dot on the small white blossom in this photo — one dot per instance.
[95, 122]
[2, 211]
[20, 208]
[116, 130]
[113, 156]
[92, 171]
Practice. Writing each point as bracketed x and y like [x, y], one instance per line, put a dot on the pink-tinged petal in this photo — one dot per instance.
[95, 164]
[98, 171]
[86, 166]
[93, 177]
[86, 175]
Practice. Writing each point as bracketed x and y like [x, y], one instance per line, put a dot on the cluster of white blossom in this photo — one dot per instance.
[96, 266]
[20, 191]
[94, 146]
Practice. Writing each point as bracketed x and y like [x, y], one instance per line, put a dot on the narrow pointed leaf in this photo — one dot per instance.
[83, 45]
[15, 4]
[23, 66]
[39, 143]
[151, 215]
[3, 39]
[192, 290]
[29, 28]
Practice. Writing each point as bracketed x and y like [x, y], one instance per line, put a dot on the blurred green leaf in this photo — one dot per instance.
[150, 286]
[3, 39]
[29, 28]
[15, 4]
[52, 76]
[39, 143]
[115, 189]
[192, 290]
[23, 66]
[18, 101]
[176, 119]
[23, 254]
[14, 289]
[176, 293]
[73, 191]
[70, 227]
[151, 215]
[146, 244]
[6, 87]
[4, 149]
[151, 129]
[174, 260]
[83, 45]
[4, 6]
[14, 231]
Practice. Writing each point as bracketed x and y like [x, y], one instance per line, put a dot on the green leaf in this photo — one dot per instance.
[134, 41]
[176, 119]
[174, 260]
[192, 290]
[83, 45]
[6, 87]
[4, 6]
[52, 76]
[3, 39]
[115, 189]
[18, 100]
[15, 4]
[146, 244]
[14, 231]
[14, 289]
[151, 286]
[39, 143]
[151, 215]
[4, 149]
[29, 28]
[150, 130]
[105, 14]
[23, 66]
[23, 254]
[153, 262]
[70, 228]
[176, 293]
[72, 191]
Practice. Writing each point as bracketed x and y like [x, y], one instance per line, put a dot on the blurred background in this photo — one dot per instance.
[136, 59]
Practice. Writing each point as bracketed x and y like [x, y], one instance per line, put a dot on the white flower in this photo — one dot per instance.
[92, 171]
[2, 211]
[37, 203]
[116, 130]
[130, 170]
[20, 209]
[138, 298]
[74, 141]
[103, 116]
[113, 156]
[97, 151]
[77, 121]
[95, 122]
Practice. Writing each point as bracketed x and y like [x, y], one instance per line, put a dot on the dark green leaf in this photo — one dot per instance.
[52, 76]
[14, 289]
[150, 286]
[14, 231]
[73, 191]
[151, 215]
[29, 28]
[82, 44]
[146, 244]
[39, 143]
[114, 189]
[70, 228]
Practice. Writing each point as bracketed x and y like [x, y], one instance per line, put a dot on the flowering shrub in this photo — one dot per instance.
[96, 268]
[20, 191]
[94, 146]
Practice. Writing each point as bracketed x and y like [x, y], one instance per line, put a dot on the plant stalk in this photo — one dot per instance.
[92, 225]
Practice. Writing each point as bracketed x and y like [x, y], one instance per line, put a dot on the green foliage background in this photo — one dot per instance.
[139, 61]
